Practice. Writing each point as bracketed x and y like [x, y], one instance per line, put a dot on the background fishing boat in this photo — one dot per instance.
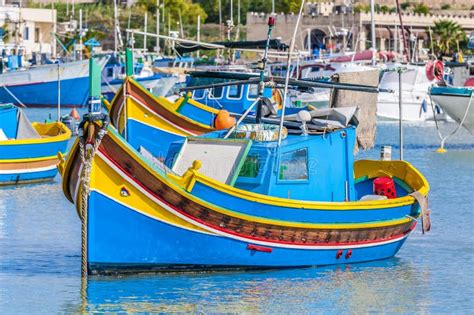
[28, 151]
[39, 87]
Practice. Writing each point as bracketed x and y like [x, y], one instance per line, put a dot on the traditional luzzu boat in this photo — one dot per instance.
[237, 203]
[257, 195]
[28, 150]
[146, 117]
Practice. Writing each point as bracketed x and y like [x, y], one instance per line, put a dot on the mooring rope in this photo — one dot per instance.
[13, 95]
[87, 152]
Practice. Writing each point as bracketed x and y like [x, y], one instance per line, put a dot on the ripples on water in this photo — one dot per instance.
[40, 256]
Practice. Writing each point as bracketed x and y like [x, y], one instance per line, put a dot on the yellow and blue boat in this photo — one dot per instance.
[260, 196]
[261, 206]
[28, 151]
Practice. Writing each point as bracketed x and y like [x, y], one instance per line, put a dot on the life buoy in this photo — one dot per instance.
[435, 70]
[469, 82]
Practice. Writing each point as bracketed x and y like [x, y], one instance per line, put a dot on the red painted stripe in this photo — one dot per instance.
[245, 236]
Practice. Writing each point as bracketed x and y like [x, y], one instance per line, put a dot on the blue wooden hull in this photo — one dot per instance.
[34, 162]
[74, 93]
[154, 245]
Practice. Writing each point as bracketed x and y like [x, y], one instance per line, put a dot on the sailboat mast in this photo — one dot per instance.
[115, 28]
[405, 51]
[372, 23]
[157, 26]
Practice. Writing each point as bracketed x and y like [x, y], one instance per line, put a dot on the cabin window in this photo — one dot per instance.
[315, 69]
[216, 92]
[251, 167]
[294, 165]
[198, 94]
[234, 91]
[253, 91]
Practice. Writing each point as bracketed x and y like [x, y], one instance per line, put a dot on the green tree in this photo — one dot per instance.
[447, 34]
[421, 8]
[405, 5]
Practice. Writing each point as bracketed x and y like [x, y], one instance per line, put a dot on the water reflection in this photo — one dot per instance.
[358, 288]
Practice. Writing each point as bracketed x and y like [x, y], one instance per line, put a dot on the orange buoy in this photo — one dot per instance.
[223, 120]
[74, 114]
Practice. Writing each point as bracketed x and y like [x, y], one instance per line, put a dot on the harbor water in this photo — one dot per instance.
[40, 255]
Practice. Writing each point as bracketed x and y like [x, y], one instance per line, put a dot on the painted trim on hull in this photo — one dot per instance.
[32, 170]
[225, 233]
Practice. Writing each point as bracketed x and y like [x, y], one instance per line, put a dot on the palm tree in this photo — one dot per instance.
[447, 35]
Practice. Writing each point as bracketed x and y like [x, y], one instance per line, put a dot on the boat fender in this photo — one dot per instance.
[348, 253]
[223, 120]
[434, 70]
[258, 248]
[74, 114]
[339, 254]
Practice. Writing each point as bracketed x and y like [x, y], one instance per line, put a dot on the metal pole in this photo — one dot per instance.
[308, 40]
[145, 27]
[273, 6]
[198, 36]
[400, 108]
[372, 17]
[53, 13]
[115, 27]
[80, 34]
[59, 93]
[157, 26]
[287, 75]
[232, 12]
[220, 19]
[238, 12]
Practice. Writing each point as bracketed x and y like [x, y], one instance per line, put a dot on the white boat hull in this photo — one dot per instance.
[455, 106]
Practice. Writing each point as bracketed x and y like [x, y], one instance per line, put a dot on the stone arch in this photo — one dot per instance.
[317, 39]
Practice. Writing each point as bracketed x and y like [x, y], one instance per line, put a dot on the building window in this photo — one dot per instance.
[37, 35]
[294, 165]
[26, 33]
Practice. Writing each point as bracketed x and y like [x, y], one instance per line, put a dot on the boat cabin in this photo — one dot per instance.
[307, 167]
[233, 98]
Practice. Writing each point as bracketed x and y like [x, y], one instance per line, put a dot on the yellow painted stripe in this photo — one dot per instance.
[203, 107]
[45, 158]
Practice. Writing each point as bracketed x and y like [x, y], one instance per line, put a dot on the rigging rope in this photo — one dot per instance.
[441, 149]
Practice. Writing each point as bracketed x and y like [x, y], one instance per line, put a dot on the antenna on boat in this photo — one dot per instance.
[262, 64]
[287, 75]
